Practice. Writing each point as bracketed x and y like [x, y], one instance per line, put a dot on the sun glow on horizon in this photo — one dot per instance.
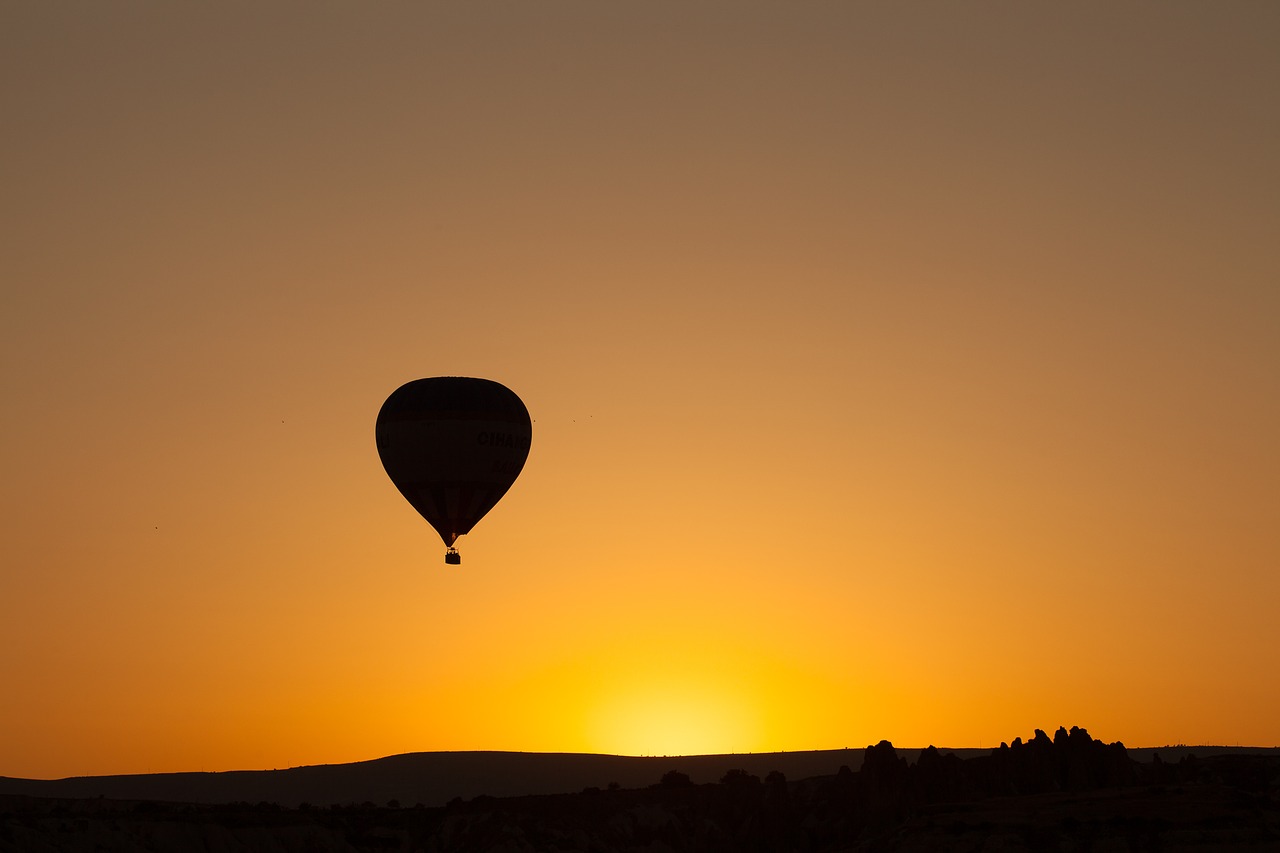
[674, 717]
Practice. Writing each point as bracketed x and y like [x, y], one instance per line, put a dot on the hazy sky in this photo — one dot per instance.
[899, 370]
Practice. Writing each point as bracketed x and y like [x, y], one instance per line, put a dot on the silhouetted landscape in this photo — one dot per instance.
[1069, 792]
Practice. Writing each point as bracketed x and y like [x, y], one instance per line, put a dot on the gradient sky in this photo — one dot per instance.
[899, 370]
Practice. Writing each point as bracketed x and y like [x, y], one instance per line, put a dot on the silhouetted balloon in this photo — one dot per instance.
[453, 446]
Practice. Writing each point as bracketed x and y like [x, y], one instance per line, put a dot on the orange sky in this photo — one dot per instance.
[904, 371]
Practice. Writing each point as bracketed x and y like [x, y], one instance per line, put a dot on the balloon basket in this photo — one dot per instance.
[452, 557]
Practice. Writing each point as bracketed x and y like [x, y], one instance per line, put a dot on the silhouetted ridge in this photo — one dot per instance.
[1065, 792]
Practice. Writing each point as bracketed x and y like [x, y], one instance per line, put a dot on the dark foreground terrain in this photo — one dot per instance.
[1069, 792]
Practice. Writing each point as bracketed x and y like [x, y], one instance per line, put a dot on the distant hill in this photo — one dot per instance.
[432, 778]
[1065, 792]
[436, 778]
[1146, 754]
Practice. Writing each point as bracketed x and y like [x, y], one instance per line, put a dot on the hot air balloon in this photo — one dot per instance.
[453, 446]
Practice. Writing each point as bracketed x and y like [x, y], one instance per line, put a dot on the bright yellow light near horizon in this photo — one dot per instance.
[674, 718]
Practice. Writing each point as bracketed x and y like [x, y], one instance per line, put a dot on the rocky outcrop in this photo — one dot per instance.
[1070, 761]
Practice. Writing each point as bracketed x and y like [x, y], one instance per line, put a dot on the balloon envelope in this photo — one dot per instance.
[453, 446]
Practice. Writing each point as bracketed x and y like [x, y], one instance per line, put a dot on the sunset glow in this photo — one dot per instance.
[674, 718]
[897, 371]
